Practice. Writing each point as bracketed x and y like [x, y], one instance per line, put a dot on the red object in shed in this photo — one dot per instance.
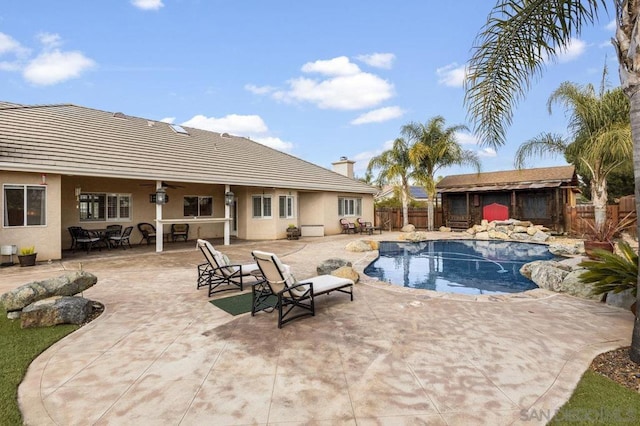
[495, 211]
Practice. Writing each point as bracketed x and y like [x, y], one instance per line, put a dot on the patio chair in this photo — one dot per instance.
[363, 226]
[295, 299]
[179, 230]
[347, 227]
[148, 232]
[73, 231]
[87, 239]
[218, 273]
[121, 240]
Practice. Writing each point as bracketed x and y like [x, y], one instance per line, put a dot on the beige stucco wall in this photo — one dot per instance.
[46, 239]
[141, 209]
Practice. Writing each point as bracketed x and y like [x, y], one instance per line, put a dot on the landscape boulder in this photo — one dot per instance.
[330, 265]
[56, 310]
[68, 284]
[359, 246]
[347, 272]
[408, 228]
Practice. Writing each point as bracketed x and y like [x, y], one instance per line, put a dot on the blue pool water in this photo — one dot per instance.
[457, 266]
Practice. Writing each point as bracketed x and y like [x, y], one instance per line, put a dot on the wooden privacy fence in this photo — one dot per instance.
[390, 218]
[579, 217]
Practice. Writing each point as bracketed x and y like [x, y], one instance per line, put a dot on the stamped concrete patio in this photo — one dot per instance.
[162, 354]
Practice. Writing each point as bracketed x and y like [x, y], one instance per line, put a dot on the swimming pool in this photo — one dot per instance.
[458, 266]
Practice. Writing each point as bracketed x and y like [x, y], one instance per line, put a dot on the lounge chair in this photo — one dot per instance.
[218, 273]
[291, 293]
[347, 227]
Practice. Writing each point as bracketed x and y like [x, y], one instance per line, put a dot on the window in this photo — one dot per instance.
[286, 206]
[349, 206]
[104, 207]
[457, 205]
[198, 206]
[261, 206]
[25, 205]
[535, 206]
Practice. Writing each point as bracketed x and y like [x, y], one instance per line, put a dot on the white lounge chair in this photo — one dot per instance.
[292, 294]
[218, 273]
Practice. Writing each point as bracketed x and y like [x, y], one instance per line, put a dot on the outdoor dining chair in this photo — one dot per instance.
[121, 240]
[148, 232]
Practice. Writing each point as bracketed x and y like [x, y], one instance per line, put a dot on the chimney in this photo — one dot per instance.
[344, 166]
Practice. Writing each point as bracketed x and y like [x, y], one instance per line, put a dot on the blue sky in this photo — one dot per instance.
[319, 80]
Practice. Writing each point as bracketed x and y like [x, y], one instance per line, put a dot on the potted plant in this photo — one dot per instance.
[613, 272]
[293, 233]
[27, 256]
[601, 237]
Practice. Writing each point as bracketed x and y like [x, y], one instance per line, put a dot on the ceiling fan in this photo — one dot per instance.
[164, 185]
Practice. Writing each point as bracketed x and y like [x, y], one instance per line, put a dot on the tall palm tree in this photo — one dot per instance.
[512, 49]
[600, 139]
[395, 168]
[434, 146]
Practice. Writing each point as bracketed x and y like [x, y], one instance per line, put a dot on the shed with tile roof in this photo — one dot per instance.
[539, 195]
[87, 167]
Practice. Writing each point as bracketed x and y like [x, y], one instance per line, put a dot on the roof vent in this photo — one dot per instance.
[119, 115]
[225, 135]
[343, 158]
[149, 123]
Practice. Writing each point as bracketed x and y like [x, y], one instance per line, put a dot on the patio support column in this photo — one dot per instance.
[227, 211]
[159, 227]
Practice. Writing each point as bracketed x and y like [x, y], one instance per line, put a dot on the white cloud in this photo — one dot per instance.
[169, 120]
[9, 66]
[487, 152]
[571, 51]
[344, 87]
[351, 92]
[379, 115]
[336, 66]
[464, 138]
[378, 60]
[451, 75]
[258, 90]
[147, 4]
[49, 40]
[362, 159]
[54, 67]
[275, 143]
[10, 45]
[242, 125]
[611, 26]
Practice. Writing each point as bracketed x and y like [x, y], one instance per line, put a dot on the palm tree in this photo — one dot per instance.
[433, 147]
[512, 49]
[600, 138]
[395, 168]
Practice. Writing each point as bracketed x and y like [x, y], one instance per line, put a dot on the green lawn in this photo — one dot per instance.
[599, 400]
[18, 347]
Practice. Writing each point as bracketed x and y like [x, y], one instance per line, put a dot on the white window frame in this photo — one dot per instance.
[25, 219]
[263, 206]
[287, 206]
[349, 206]
[106, 215]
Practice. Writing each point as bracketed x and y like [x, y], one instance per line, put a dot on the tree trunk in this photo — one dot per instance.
[634, 98]
[627, 43]
[430, 214]
[405, 207]
[599, 199]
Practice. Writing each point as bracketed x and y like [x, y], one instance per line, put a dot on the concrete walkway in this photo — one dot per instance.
[162, 354]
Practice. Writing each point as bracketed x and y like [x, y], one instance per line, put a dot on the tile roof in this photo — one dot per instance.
[510, 179]
[70, 139]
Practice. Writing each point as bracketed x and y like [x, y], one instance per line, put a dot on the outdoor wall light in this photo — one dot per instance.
[161, 196]
[78, 192]
[228, 198]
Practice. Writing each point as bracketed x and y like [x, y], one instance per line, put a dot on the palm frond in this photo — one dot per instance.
[543, 145]
[511, 51]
